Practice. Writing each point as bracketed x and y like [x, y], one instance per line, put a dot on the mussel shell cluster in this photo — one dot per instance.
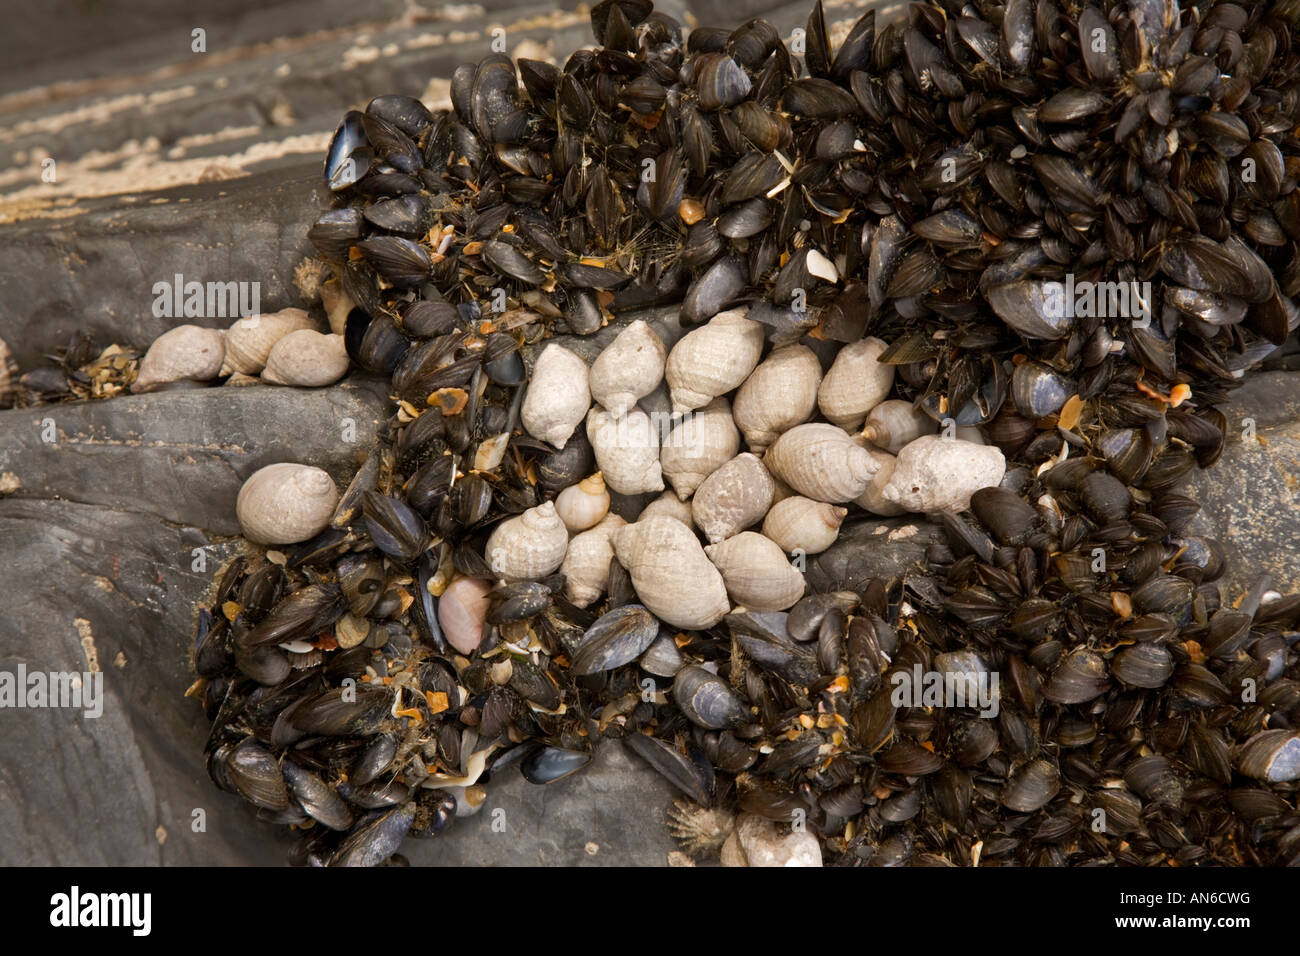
[922, 184]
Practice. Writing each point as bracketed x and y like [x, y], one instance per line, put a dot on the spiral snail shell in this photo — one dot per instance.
[873, 499]
[528, 546]
[894, 423]
[779, 394]
[801, 524]
[698, 445]
[629, 368]
[713, 359]
[670, 572]
[583, 505]
[286, 503]
[671, 506]
[855, 384]
[249, 341]
[756, 572]
[586, 564]
[558, 397]
[187, 353]
[627, 451]
[306, 358]
[821, 461]
[940, 474]
[733, 498]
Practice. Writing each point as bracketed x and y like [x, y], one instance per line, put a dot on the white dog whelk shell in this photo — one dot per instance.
[670, 572]
[583, 505]
[756, 572]
[801, 524]
[249, 341]
[821, 461]
[286, 503]
[307, 358]
[558, 397]
[713, 359]
[698, 445]
[627, 451]
[731, 499]
[586, 564]
[187, 353]
[856, 383]
[940, 474]
[779, 394]
[629, 368]
[528, 546]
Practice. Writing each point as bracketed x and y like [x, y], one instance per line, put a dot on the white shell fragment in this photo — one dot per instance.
[187, 353]
[779, 394]
[733, 498]
[627, 451]
[286, 503]
[462, 612]
[586, 565]
[757, 842]
[583, 505]
[756, 572]
[856, 383]
[821, 267]
[821, 461]
[528, 546]
[249, 341]
[801, 524]
[698, 445]
[670, 572]
[713, 359]
[938, 474]
[629, 368]
[558, 396]
[308, 359]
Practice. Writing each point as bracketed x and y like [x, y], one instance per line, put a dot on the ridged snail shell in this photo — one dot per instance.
[249, 341]
[308, 359]
[462, 612]
[855, 384]
[713, 359]
[586, 564]
[528, 546]
[801, 524]
[733, 498]
[779, 394]
[873, 499]
[670, 505]
[821, 461]
[286, 503]
[558, 397]
[756, 572]
[894, 423]
[337, 305]
[583, 505]
[670, 572]
[187, 353]
[698, 445]
[629, 368]
[940, 474]
[627, 451]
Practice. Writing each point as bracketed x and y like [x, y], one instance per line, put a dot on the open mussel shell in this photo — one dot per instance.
[348, 157]
[1272, 756]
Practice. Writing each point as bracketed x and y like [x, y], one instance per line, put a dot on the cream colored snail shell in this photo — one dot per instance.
[801, 524]
[756, 571]
[308, 359]
[286, 503]
[940, 474]
[892, 424]
[821, 461]
[855, 384]
[249, 341]
[671, 506]
[337, 305]
[670, 572]
[779, 394]
[629, 368]
[557, 398]
[733, 498]
[698, 445]
[586, 564]
[528, 546]
[187, 353]
[873, 499]
[713, 359]
[583, 505]
[627, 451]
